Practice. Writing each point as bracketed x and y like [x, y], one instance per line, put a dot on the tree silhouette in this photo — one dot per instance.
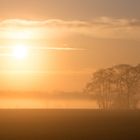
[115, 87]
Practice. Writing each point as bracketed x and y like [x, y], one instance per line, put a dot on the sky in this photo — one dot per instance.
[69, 9]
[67, 41]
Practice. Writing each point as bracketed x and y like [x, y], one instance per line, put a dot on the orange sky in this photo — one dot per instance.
[64, 46]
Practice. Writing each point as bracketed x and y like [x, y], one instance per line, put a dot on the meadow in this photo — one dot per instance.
[69, 124]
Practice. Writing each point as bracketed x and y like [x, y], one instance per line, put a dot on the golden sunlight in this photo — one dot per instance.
[20, 51]
[19, 34]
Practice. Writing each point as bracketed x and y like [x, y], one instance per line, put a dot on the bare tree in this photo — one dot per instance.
[115, 87]
[101, 88]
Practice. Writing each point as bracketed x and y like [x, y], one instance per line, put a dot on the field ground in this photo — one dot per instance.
[55, 124]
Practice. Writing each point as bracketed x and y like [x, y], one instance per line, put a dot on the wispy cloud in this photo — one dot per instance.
[53, 48]
[57, 72]
[60, 48]
[102, 27]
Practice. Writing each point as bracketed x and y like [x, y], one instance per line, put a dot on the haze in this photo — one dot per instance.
[63, 42]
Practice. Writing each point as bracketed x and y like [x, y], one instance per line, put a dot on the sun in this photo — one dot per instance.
[20, 51]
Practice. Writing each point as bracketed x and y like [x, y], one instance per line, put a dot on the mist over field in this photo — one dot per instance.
[60, 100]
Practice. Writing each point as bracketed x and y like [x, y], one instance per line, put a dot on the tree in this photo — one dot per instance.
[115, 87]
[101, 88]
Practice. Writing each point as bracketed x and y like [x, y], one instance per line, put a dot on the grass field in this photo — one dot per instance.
[69, 124]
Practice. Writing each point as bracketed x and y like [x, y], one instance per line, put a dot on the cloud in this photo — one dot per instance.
[102, 27]
[51, 48]
[61, 49]
[61, 72]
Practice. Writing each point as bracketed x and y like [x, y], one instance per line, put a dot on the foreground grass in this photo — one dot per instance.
[55, 124]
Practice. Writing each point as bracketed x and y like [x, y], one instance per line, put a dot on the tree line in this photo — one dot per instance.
[117, 87]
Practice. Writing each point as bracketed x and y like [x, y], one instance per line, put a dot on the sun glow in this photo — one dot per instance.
[19, 34]
[20, 51]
